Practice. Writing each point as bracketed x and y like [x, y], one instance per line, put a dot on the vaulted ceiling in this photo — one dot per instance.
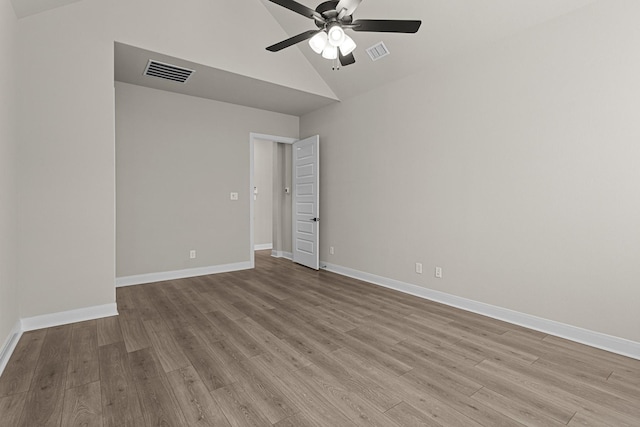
[449, 28]
[31, 7]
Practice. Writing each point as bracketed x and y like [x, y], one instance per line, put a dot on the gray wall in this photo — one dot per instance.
[515, 169]
[9, 305]
[177, 160]
[263, 171]
[283, 204]
[66, 179]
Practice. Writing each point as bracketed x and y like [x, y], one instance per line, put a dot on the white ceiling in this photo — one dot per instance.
[449, 28]
[31, 7]
[207, 82]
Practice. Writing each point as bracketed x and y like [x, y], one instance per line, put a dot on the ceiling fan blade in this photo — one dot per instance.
[293, 40]
[299, 8]
[349, 5]
[386, 26]
[346, 59]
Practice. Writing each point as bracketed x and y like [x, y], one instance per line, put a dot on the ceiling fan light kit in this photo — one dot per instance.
[332, 19]
[325, 43]
[335, 34]
[347, 46]
[318, 42]
[330, 52]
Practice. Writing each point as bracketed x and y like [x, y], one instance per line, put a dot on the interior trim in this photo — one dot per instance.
[253, 136]
[10, 345]
[583, 336]
[180, 274]
[263, 247]
[281, 254]
[71, 316]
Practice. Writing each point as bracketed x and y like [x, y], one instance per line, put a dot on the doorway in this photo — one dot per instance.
[264, 170]
[280, 206]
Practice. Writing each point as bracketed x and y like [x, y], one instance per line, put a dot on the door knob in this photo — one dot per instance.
[315, 219]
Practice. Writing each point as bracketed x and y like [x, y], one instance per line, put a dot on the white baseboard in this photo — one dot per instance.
[71, 316]
[282, 254]
[9, 345]
[584, 336]
[180, 274]
[263, 247]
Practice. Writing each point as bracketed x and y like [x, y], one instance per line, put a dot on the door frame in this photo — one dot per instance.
[252, 138]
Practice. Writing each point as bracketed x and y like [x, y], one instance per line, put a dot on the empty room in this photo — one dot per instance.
[319, 213]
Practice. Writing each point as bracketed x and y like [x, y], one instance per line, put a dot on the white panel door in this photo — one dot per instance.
[306, 206]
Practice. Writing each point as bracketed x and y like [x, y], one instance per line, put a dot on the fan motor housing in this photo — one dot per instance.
[328, 10]
[326, 6]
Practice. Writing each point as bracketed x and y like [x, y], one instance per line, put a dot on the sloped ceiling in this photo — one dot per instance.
[449, 28]
[31, 7]
[212, 83]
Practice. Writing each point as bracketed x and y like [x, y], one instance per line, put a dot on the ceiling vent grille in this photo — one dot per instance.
[377, 51]
[167, 71]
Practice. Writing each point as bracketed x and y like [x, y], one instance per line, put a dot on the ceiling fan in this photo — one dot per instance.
[332, 18]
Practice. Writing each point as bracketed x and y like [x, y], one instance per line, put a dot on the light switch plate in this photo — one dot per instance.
[234, 196]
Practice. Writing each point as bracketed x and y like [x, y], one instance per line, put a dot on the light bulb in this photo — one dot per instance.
[318, 42]
[336, 35]
[347, 46]
[330, 52]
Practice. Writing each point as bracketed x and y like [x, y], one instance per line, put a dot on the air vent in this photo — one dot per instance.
[377, 51]
[167, 71]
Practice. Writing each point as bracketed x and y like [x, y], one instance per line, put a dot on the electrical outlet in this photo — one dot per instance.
[419, 267]
[331, 251]
[234, 196]
[192, 254]
[439, 272]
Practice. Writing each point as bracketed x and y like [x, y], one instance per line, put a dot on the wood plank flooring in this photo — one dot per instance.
[284, 345]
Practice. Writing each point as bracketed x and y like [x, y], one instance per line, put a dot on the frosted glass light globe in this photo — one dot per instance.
[336, 35]
[330, 52]
[347, 46]
[318, 42]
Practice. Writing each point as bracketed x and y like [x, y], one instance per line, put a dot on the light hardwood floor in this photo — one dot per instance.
[287, 346]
